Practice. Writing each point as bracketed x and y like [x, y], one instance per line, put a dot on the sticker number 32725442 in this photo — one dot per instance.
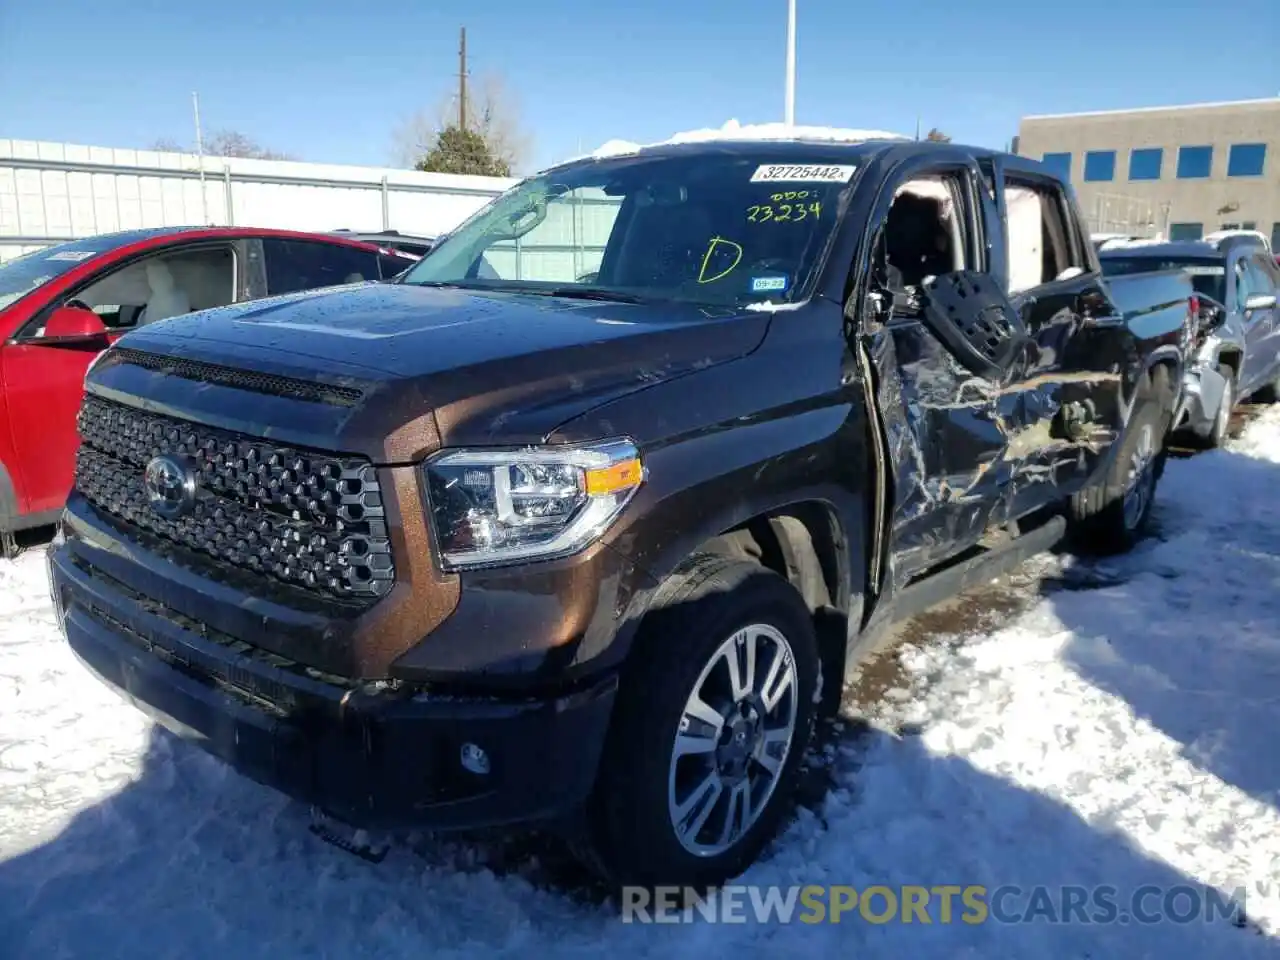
[803, 173]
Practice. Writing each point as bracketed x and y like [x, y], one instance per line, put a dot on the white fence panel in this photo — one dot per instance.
[50, 192]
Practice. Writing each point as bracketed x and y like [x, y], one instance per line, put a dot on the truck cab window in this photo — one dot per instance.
[922, 235]
[1040, 243]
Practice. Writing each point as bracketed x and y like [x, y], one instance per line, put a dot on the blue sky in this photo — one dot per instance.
[329, 81]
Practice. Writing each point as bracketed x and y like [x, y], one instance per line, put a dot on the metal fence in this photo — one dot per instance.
[52, 192]
[1134, 216]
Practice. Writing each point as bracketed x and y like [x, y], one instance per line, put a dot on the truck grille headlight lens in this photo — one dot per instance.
[492, 507]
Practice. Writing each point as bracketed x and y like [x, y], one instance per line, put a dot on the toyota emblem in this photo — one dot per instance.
[170, 486]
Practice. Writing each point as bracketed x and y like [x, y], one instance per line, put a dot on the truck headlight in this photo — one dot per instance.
[493, 507]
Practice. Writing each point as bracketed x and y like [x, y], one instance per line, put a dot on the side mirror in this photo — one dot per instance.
[1260, 301]
[975, 321]
[73, 325]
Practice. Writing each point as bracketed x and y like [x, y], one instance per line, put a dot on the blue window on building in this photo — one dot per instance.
[1246, 159]
[1186, 231]
[1145, 164]
[1194, 163]
[1059, 163]
[1275, 236]
[1100, 165]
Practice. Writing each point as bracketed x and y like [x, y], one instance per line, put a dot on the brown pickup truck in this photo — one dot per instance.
[582, 521]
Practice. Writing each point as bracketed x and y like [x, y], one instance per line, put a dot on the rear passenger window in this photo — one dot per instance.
[304, 265]
[1042, 247]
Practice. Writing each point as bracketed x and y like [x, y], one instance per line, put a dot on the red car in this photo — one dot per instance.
[62, 306]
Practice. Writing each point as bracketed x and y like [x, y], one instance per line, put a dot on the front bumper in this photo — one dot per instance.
[376, 755]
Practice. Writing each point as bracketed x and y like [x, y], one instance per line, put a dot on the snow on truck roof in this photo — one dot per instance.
[734, 131]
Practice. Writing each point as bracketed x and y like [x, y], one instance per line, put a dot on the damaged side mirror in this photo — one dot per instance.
[975, 321]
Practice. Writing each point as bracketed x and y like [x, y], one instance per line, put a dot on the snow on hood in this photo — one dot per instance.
[733, 130]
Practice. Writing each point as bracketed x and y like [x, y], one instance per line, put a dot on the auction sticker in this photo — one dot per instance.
[75, 256]
[803, 173]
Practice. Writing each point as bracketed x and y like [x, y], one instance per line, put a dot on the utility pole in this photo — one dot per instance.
[204, 200]
[791, 63]
[462, 81]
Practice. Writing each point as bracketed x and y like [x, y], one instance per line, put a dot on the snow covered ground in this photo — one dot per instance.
[1118, 727]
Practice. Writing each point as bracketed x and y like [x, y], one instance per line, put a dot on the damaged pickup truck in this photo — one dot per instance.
[583, 520]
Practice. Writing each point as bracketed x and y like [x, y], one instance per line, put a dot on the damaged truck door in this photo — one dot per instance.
[993, 351]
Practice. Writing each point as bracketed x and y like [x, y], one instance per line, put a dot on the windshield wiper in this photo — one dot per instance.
[590, 293]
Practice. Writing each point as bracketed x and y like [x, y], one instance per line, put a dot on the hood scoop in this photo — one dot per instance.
[336, 395]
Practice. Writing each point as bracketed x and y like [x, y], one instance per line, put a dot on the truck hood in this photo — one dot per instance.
[432, 366]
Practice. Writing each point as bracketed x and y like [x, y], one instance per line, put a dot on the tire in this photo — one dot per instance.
[1222, 422]
[1111, 516]
[709, 606]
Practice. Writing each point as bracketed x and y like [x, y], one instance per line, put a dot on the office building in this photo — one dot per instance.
[1177, 172]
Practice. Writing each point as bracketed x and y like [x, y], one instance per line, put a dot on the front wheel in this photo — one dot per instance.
[1217, 434]
[1222, 421]
[714, 715]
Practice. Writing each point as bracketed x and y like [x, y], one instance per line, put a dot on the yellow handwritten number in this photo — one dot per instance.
[784, 212]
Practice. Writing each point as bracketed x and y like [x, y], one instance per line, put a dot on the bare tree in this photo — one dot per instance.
[938, 136]
[225, 143]
[492, 112]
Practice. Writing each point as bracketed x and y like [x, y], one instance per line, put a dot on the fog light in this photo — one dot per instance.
[475, 759]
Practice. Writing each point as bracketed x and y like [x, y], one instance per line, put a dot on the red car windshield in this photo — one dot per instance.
[20, 276]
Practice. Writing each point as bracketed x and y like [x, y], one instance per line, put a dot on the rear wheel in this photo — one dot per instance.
[1112, 515]
[714, 715]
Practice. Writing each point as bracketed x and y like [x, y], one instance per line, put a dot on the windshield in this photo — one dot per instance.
[716, 229]
[1208, 276]
[20, 276]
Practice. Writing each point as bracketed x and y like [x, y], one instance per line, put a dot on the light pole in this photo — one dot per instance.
[791, 63]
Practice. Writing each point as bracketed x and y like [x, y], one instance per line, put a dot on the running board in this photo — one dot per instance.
[950, 581]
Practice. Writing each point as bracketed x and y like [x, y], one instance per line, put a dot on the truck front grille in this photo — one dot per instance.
[307, 519]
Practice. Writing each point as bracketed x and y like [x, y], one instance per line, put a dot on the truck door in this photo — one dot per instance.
[1060, 409]
[938, 417]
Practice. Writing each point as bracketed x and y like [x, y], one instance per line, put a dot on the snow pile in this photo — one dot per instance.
[735, 131]
[1119, 730]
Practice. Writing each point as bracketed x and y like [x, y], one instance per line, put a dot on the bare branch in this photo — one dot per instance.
[492, 112]
[224, 143]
